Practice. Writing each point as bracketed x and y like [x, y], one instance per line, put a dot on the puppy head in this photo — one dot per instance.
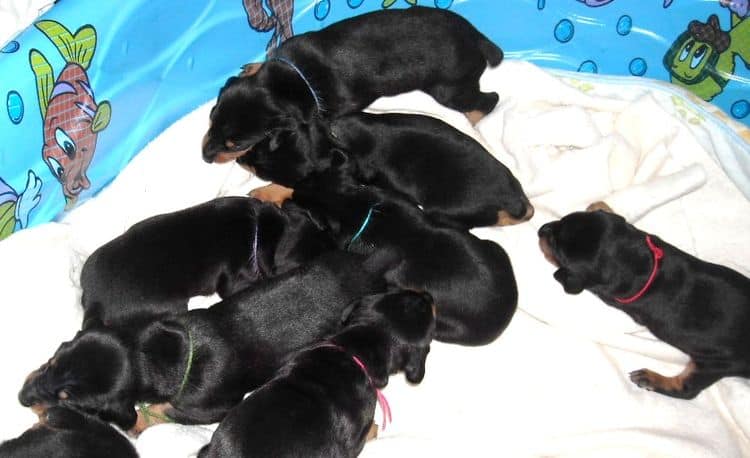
[246, 112]
[407, 317]
[590, 249]
[291, 151]
[91, 373]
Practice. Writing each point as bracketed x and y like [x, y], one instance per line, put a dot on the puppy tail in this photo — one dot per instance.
[491, 52]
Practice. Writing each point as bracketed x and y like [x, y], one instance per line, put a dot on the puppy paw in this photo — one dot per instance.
[653, 381]
[644, 378]
[599, 206]
[372, 434]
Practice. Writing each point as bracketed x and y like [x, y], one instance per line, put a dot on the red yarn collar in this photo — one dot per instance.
[658, 254]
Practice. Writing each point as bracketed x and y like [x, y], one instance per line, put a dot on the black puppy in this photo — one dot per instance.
[702, 309]
[345, 67]
[198, 365]
[471, 279]
[321, 403]
[455, 180]
[66, 433]
[220, 246]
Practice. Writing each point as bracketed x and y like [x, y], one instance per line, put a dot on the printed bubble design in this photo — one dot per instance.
[588, 66]
[624, 25]
[354, 3]
[740, 109]
[564, 31]
[11, 47]
[638, 67]
[443, 4]
[322, 8]
[14, 104]
[540, 4]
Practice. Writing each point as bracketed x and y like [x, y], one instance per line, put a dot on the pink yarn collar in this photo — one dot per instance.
[385, 407]
[658, 254]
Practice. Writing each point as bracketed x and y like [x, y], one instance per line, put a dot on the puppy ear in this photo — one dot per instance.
[572, 283]
[165, 342]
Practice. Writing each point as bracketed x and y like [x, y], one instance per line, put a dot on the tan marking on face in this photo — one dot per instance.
[250, 69]
[274, 193]
[547, 251]
[505, 219]
[40, 410]
[372, 434]
[227, 156]
[474, 116]
[599, 206]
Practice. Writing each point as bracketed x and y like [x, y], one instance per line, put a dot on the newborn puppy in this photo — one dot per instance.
[703, 309]
[65, 433]
[346, 66]
[221, 246]
[470, 279]
[321, 403]
[455, 180]
[196, 366]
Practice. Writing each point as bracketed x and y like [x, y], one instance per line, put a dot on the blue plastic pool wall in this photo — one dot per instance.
[92, 82]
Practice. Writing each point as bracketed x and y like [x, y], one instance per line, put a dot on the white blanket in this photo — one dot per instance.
[555, 383]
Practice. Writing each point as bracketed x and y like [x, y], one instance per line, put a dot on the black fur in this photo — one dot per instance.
[349, 64]
[237, 344]
[701, 308]
[321, 403]
[63, 432]
[158, 264]
[471, 279]
[429, 162]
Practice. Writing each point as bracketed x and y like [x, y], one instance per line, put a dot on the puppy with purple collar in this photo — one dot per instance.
[703, 309]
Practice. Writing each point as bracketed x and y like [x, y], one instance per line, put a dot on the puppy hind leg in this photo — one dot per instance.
[685, 385]
[465, 97]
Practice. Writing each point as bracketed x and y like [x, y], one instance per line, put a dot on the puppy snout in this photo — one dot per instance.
[28, 396]
[545, 231]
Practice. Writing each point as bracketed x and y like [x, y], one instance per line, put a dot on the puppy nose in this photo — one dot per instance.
[529, 212]
[545, 230]
[28, 395]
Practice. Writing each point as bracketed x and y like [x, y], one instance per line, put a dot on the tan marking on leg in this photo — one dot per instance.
[474, 116]
[373, 432]
[547, 251]
[650, 380]
[599, 206]
[155, 414]
[274, 193]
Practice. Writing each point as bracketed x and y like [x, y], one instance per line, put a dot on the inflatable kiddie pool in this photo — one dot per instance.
[89, 84]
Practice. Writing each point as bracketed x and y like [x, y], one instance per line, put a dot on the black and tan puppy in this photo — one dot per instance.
[470, 279]
[221, 246]
[455, 180]
[346, 66]
[63, 432]
[321, 403]
[194, 367]
[702, 309]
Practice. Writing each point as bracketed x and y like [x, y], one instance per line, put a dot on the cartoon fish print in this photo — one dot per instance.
[702, 59]
[15, 208]
[72, 118]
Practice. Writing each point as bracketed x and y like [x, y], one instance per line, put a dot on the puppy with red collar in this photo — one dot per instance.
[703, 309]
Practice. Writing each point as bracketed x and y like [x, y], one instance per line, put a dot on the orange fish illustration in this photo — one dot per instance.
[72, 118]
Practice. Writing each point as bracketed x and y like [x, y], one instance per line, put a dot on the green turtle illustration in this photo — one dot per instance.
[702, 59]
[389, 3]
[15, 207]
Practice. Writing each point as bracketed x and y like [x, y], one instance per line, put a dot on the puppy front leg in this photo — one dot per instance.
[150, 415]
[273, 192]
[685, 385]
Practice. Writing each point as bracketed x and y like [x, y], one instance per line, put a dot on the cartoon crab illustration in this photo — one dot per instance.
[72, 118]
